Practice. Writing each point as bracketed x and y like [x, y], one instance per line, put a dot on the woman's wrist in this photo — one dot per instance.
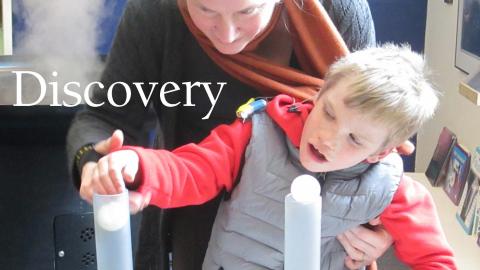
[85, 154]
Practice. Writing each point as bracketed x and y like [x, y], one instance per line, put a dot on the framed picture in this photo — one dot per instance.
[438, 164]
[467, 209]
[457, 170]
[467, 55]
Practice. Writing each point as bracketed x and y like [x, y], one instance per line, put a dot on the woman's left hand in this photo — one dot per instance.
[364, 245]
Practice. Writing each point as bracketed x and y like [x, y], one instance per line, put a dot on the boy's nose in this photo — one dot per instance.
[329, 139]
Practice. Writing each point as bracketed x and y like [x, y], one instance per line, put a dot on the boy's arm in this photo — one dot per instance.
[413, 222]
[194, 173]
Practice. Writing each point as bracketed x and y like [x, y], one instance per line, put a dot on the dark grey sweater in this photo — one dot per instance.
[152, 44]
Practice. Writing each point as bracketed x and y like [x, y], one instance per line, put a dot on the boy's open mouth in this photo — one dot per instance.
[317, 155]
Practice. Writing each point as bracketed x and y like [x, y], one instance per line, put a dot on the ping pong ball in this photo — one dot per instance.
[112, 216]
[305, 188]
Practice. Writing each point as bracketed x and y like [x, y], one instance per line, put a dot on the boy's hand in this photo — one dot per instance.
[104, 147]
[364, 245]
[113, 170]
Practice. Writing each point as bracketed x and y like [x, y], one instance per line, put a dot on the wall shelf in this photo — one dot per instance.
[471, 88]
[470, 93]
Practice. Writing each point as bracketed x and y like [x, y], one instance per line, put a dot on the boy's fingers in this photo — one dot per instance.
[138, 201]
[116, 165]
[97, 183]
[130, 171]
[105, 174]
[146, 202]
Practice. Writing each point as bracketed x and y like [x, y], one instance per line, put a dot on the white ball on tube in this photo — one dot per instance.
[112, 216]
[305, 188]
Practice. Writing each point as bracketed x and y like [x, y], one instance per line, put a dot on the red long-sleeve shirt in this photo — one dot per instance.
[196, 173]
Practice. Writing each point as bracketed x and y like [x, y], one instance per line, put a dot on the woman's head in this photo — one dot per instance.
[231, 24]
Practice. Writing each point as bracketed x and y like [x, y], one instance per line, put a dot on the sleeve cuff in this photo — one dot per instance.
[85, 154]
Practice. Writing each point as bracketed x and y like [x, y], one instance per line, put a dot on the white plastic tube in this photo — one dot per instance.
[112, 231]
[303, 211]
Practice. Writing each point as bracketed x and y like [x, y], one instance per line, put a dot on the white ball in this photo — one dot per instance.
[113, 216]
[305, 188]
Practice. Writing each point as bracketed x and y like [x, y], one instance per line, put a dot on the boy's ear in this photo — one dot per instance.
[378, 156]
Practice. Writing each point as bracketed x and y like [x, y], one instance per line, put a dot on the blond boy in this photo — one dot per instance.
[372, 101]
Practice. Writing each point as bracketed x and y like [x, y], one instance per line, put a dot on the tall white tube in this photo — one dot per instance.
[112, 231]
[303, 211]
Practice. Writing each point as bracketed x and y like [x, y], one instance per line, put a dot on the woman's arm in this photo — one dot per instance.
[353, 20]
[130, 60]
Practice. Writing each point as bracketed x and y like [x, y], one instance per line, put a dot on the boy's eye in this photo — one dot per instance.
[354, 139]
[328, 114]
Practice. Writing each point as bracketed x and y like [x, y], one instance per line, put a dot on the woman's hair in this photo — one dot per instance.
[390, 84]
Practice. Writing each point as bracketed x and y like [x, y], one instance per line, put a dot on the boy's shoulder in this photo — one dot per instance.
[286, 112]
[289, 114]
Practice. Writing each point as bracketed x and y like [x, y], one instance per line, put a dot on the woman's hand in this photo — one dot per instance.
[406, 148]
[108, 174]
[364, 245]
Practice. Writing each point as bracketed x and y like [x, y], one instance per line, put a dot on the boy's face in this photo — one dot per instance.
[336, 137]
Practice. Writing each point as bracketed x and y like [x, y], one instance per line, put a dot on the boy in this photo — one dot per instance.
[372, 101]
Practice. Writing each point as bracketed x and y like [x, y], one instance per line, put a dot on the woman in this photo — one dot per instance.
[254, 48]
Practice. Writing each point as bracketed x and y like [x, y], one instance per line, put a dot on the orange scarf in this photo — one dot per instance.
[317, 44]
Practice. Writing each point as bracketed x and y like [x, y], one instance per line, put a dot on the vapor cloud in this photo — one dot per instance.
[61, 36]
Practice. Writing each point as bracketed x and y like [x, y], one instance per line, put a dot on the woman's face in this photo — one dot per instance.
[231, 24]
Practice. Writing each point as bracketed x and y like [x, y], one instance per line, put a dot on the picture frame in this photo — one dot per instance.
[437, 167]
[467, 54]
[457, 170]
[469, 203]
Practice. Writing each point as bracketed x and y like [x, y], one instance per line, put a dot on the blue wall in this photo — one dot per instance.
[401, 21]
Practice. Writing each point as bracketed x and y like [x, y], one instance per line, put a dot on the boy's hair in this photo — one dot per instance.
[389, 83]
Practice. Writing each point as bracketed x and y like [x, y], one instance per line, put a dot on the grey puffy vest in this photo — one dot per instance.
[248, 230]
